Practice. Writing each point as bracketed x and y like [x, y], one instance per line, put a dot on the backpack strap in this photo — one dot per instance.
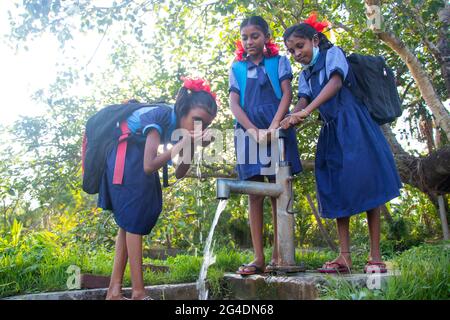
[240, 73]
[119, 166]
[271, 66]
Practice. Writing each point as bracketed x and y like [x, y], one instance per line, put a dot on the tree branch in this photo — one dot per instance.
[418, 73]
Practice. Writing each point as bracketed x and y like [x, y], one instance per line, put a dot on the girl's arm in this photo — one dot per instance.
[182, 166]
[153, 161]
[328, 92]
[285, 102]
[301, 104]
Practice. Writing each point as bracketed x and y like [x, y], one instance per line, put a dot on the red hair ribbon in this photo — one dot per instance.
[197, 84]
[318, 25]
[271, 49]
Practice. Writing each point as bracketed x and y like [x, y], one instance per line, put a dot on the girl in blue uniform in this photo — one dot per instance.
[137, 201]
[354, 166]
[260, 95]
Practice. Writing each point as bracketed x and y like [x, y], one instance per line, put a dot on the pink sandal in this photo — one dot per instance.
[375, 267]
[334, 267]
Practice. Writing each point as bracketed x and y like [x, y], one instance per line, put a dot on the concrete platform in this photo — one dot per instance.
[183, 291]
[300, 286]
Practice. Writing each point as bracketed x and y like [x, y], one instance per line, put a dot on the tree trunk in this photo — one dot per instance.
[443, 216]
[429, 174]
[443, 44]
[441, 50]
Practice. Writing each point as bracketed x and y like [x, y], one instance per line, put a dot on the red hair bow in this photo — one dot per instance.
[318, 25]
[270, 50]
[197, 84]
[239, 52]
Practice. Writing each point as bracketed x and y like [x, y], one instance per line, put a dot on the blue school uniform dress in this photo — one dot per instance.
[137, 202]
[354, 167]
[260, 105]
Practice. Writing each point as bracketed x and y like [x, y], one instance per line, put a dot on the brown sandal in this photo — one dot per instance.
[334, 267]
[256, 270]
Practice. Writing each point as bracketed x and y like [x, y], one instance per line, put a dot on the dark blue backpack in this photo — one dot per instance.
[375, 86]
[102, 131]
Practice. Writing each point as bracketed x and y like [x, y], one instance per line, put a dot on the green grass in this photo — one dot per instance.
[38, 262]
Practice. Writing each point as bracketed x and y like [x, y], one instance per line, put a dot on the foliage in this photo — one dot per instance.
[33, 262]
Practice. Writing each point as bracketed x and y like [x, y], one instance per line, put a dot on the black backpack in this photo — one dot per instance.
[101, 132]
[375, 87]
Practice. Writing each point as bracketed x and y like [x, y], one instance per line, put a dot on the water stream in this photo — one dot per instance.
[208, 257]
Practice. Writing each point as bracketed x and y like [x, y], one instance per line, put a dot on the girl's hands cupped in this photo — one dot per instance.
[204, 139]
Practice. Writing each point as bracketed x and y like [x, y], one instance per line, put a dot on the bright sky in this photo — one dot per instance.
[25, 72]
[22, 73]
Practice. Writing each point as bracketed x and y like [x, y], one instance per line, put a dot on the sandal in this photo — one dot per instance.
[375, 267]
[256, 270]
[334, 267]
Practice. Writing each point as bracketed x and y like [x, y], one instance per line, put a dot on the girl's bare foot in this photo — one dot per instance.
[344, 259]
[115, 297]
[375, 257]
[342, 264]
[114, 292]
[256, 266]
[139, 295]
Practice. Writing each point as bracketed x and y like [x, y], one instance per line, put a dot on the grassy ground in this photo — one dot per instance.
[423, 273]
[39, 267]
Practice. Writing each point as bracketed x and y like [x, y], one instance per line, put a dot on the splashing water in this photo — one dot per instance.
[198, 162]
[199, 192]
[208, 257]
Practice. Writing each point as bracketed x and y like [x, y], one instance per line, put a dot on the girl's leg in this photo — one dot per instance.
[343, 226]
[134, 246]
[373, 220]
[256, 228]
[275, 231]
[120, 263]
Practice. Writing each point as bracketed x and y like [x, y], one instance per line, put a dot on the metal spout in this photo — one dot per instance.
[282, 190]
[226, 186]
